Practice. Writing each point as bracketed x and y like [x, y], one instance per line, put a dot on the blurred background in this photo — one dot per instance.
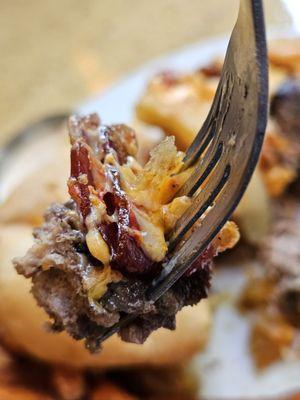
[56, 53]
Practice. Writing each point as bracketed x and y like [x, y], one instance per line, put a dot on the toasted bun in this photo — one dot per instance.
[22, 323]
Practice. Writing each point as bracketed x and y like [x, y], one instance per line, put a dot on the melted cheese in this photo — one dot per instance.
[97, 282]
[150, 190]
[97, 246]
[152, 236]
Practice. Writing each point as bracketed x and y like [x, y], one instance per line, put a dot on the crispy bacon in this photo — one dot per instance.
[81, 166]
[127, 256]
[121, 139]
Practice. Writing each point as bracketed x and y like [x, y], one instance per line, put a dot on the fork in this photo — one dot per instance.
[223, 154]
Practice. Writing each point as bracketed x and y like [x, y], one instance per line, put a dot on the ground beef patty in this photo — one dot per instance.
[62, 289]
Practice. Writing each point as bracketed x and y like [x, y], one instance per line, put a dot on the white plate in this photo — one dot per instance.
[225, 369]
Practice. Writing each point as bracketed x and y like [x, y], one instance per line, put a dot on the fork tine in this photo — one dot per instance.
[202, 169]
[200, 143]
[211, 145]
[209, 130]
[201, 202]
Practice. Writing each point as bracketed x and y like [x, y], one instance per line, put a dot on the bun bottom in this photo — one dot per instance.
[22, 323]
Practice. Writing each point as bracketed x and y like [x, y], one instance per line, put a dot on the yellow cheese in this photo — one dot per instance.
[97, 246]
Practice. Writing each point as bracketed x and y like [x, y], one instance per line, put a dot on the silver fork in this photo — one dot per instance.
[224, 153]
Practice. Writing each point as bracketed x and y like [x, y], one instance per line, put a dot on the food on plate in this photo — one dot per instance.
[285, 54]
[179, 103]
[270, 339]
[285, 108]
[279, 162]
[274, 291]
[95, 255]
[281, 255]
[277, 322]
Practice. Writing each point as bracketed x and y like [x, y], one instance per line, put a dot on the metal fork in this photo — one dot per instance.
[224, 153]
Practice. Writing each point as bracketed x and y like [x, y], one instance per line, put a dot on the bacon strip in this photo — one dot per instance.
[127, 256]
[81, 167]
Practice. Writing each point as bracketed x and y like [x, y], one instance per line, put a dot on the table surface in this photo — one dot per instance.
[56, 53]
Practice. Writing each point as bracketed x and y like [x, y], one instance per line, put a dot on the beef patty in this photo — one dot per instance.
[62, 289]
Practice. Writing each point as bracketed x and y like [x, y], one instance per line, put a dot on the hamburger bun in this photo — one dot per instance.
[27, 201]
[23, 324]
